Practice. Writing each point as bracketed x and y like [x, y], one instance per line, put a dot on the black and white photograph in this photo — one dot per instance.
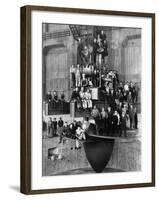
[88, 99]
[91, 99]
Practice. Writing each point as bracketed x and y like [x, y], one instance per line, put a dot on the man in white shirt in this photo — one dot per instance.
[88, 98]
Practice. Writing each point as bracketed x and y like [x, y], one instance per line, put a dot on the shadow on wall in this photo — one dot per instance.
[16, 188]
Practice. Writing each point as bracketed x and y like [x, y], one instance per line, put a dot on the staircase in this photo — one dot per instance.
[74, 31]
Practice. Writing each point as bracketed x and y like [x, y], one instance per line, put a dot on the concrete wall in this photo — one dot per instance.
[72, 159]
[59, 54]
[126, 155]
[125, 52]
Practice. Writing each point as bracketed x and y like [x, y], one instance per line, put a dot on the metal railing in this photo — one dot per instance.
[52, 35]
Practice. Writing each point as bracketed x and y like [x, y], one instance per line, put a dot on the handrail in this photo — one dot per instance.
[58, 34]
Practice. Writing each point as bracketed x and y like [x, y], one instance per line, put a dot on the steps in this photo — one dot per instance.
[74, 31]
